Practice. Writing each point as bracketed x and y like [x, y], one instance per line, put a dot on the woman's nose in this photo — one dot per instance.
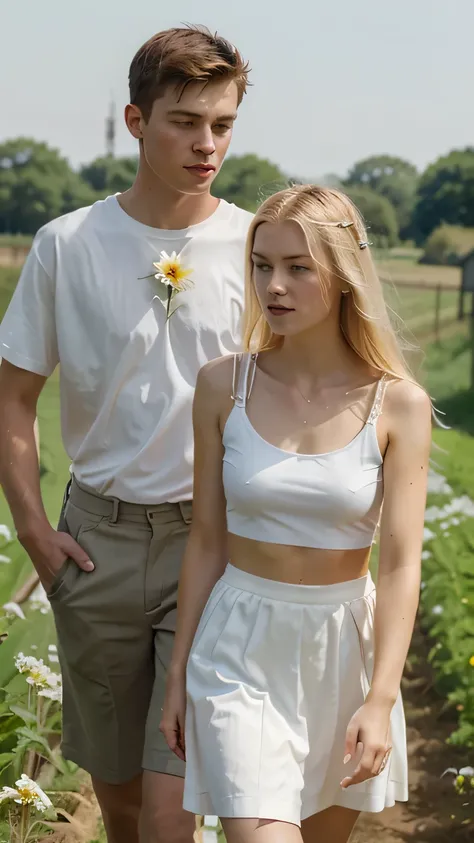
[276, 285]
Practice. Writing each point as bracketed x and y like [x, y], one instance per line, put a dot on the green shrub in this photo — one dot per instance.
[447, 596]
[447, 245]
[379, 215]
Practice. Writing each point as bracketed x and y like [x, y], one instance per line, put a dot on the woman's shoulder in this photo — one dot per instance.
[406, 403]
[216, 378]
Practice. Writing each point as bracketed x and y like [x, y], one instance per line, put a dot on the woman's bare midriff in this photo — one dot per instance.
[300, 565]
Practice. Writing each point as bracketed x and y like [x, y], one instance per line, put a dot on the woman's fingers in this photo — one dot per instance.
[351, 742]
[373, 762]
[172, 734]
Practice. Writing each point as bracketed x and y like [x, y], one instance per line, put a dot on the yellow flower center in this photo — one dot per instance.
[39, 678]
[26, 795]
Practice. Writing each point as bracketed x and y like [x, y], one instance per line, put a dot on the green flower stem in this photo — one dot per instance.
[37, 822]
[24, 821]
[39, 711]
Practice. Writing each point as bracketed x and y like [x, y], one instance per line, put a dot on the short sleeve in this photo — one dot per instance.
[28, 330]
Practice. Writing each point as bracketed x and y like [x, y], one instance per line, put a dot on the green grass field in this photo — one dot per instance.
[9, 240]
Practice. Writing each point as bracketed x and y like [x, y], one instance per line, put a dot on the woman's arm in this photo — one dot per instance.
[406, 464]
[408, 412]
[206, 553]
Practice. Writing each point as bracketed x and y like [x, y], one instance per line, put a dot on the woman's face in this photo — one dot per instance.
[288, 281]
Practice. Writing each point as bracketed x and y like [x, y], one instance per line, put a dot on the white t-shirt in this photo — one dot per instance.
[127, 375]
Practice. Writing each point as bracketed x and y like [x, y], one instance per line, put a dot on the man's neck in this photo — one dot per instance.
[157, 205]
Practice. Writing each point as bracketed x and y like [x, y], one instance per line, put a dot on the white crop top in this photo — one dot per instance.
[329, 501]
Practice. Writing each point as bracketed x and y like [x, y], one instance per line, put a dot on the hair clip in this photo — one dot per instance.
[364, 243]
[344, 224]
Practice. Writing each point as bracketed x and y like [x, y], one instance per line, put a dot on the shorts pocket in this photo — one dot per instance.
[75, 522]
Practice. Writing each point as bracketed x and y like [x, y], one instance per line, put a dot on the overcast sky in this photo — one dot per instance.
[333, 81]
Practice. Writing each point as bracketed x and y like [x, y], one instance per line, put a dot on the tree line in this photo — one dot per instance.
[397, 201]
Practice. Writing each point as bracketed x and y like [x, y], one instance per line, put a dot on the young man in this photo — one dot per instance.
[93, 297]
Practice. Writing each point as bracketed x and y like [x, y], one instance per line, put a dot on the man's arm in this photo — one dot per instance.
[20, 475]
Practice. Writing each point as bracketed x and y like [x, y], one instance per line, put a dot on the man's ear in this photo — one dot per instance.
[134, 120]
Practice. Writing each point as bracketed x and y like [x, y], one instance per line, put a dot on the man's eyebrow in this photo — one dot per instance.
[181, 112]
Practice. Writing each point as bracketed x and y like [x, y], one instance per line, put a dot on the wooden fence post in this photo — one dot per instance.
[461, 304]
[437, 310]
[472, 340]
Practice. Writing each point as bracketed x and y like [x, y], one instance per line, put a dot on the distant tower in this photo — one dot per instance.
[110, 131]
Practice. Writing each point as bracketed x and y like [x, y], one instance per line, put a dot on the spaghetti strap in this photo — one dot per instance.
[376, 409]
[243, 363]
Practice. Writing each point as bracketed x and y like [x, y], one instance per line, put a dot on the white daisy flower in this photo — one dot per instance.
[26, 792]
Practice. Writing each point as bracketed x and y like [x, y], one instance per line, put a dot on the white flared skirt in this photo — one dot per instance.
[274, 676]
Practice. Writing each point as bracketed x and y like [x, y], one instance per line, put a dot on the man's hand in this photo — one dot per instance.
[48, 549]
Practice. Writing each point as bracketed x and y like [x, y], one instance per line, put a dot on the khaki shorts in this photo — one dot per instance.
[115, 632]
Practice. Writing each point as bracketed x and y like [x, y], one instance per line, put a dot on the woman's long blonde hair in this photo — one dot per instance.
[331, 221]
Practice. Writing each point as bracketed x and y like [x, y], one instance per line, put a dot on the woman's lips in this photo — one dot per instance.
[279, 310]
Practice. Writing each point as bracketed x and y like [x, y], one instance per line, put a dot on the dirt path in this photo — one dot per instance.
[435, 813]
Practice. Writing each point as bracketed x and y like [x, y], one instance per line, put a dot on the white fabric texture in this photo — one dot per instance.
[127, 374]
[330, 501]
[274, 676]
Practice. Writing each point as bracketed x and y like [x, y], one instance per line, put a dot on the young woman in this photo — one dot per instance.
[294, 716]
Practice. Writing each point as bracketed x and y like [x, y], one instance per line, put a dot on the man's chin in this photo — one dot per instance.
[195, 190]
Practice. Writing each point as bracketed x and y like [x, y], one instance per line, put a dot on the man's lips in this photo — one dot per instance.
[201, 167]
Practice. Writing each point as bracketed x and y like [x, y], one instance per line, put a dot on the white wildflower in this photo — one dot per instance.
[39, 601]
[437, 484]
[27, 792]
[39, 674]
[463, 505]
[433, 513]
[5, 532]
[437, 610]
[14, 610]
[55, 694]
[23, 663]
[426, 555]
[5, 559]
[428, 534]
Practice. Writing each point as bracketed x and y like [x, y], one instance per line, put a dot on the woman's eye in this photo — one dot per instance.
[263, 267]
[183, 122]
[297, 268]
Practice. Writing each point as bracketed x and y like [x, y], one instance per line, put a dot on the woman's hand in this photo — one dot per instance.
[173, 714]
[368, 733]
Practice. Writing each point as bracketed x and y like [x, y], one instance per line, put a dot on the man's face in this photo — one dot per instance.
[186, 138]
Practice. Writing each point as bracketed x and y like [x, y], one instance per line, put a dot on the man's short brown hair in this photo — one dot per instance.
[179, 56]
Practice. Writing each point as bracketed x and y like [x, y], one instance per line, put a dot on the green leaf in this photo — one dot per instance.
[25, 715]
[6, 759]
